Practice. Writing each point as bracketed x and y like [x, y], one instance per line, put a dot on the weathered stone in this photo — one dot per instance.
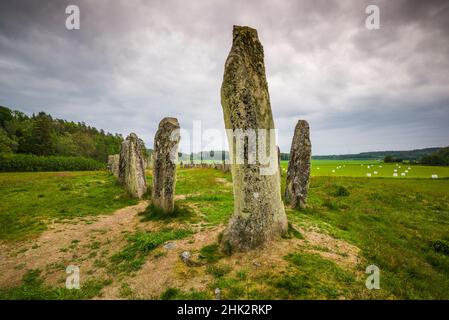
[189, 260]
[113, 164]
[165, 157]
[298, 172]
[279, 161]
[149, 161]
[132, 166]
[169, 245]
[259, 214]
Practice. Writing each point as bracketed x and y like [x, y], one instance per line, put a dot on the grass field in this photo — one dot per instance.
[360, 168]
[352, 221]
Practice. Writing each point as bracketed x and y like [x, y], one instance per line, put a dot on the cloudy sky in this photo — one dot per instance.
[134, 62]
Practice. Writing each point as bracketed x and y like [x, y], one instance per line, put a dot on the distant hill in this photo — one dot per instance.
[416, 154]
[437, 158]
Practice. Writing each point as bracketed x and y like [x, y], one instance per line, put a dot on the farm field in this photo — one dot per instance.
[360, 168]
[126, 249]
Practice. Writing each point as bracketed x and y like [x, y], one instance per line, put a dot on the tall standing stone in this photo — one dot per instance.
[150, 161]
[279, 161]
[132, 166]
[298, 173]
[259, 214]
[113, 164]
[165, 156]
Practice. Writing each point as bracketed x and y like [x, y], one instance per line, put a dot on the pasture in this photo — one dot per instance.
[125, 249]
[360, 168]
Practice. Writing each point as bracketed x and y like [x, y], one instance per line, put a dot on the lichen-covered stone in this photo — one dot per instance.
[165, 156]
[279, 161]
[132, 166]
[113, 164]
[299, 167]
[149, 161]
[259, 214]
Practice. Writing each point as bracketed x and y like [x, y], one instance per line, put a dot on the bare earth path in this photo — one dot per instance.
[67, 243]
[90, 243]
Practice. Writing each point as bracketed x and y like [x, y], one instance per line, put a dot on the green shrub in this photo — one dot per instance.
[440, 246]
[28, 162]
[341, 192]
[211, 253]
[218, 271]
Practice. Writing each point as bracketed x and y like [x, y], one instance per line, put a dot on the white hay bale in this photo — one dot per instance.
[395, 174]
[368, 174]
[403, 174]
[434, 176]
[375, 172]
[395, 170]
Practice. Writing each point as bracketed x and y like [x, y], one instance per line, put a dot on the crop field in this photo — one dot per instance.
[126, 249]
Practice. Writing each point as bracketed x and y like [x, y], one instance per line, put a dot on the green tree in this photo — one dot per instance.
[41, 139]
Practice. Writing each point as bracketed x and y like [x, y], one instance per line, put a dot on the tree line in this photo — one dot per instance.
[42, 135]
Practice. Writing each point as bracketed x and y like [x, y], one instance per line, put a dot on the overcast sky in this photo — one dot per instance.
[134, 62]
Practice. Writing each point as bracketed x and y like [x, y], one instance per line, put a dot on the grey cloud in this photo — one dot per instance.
[134, 62]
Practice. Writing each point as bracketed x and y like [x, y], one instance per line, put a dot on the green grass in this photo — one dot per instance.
[140, 244]
[400, 224]
[359, 168]
[395, 223]
[209, 190]
[33, 288]
[180, 213]
[176, 294]
[29, 201]
[304, 282]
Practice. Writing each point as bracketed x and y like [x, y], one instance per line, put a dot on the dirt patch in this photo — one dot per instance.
[89, 243]
[341, 252]
[164, 268]
[223, 181]
[185, 196]
[80, 242]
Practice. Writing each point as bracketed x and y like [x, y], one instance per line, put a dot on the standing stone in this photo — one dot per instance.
[279, 161]
[149, 161]
[113, 164]
[165, 156]
[298, 173]
[132, 166]
[259, 214]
